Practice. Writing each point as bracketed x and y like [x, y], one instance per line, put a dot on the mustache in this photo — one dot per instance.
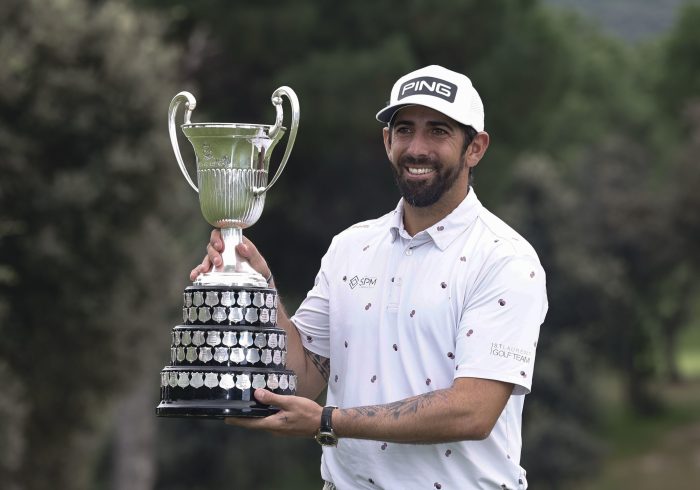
[422, 160]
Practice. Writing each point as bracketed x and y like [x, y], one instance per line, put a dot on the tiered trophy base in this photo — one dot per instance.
[219, 392]
[227, 347]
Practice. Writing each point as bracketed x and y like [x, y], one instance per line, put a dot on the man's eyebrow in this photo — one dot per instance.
[440, 124]
[403, 121]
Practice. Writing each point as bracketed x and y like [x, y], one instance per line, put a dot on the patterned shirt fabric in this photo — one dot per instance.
[402, 315]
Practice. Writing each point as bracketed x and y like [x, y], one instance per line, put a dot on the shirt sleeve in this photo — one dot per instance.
[312, 317]
[500, 324]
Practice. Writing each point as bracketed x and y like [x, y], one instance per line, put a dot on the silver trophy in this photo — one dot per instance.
[228, 343]
[232, 175]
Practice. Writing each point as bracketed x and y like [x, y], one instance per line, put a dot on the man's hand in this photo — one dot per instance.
[297, 416]
[213, 258]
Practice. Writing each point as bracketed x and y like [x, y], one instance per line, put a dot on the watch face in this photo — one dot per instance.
[327, 439]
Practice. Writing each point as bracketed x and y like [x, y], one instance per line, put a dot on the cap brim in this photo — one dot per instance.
[386, 114]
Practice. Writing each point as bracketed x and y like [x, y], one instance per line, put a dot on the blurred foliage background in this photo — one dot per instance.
[594, 115]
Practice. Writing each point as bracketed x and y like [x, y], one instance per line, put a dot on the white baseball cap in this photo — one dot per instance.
[441, 89]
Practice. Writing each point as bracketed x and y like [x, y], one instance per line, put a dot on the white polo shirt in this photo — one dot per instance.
[399, 316]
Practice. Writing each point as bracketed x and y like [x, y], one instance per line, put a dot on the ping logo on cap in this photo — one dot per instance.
[428, 86]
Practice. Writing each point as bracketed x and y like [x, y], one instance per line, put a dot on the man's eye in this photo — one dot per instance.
[439, 131]
[403, 130]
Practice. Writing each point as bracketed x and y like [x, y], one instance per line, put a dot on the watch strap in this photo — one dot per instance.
[326, 418]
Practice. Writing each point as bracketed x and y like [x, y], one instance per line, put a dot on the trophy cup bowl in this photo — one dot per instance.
[228, 344]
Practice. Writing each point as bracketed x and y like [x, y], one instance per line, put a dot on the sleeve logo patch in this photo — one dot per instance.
[508, 352]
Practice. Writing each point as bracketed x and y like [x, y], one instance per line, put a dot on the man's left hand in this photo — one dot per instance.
[297, 416]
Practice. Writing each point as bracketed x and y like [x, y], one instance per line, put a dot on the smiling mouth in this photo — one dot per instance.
[419, 171]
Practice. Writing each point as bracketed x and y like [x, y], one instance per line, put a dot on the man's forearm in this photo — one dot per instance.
[452, 414]
[311, 369]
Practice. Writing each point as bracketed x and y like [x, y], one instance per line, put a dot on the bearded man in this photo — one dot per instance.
[428, 364]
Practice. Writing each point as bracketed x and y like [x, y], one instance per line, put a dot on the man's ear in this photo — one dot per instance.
[387, 140]
[477, 148]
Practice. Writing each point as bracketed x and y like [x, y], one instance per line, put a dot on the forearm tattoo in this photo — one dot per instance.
[401, 408]
[323, 364]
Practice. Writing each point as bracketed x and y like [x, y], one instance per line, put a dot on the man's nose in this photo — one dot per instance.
[419, 145]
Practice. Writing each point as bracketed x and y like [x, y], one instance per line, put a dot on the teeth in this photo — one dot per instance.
[419, 171]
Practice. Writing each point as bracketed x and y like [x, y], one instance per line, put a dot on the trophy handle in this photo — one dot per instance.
[277, 102]
[190, 104]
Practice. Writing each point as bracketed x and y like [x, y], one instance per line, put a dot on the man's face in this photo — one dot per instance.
[425, 150]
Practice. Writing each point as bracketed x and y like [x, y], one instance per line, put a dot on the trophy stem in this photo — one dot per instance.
[235, 269]
[232, 261]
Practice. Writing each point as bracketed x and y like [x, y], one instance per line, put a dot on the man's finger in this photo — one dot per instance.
[205, 266]
[214, 256]
[257, 262]
[270, 398]
[248, 423]
[216, 241]
[245, 250]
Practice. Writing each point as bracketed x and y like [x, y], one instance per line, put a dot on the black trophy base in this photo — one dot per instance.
[214, 409]
[228, 346]
[220, 391]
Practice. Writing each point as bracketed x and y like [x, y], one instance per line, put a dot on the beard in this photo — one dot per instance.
[423, 194]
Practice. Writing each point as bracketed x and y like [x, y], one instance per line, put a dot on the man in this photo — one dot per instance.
[422, 323]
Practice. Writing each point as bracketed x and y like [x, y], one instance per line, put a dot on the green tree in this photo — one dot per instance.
[675, 85]
[679, 76]
[680, 289]
[558, 443]
[85, 174]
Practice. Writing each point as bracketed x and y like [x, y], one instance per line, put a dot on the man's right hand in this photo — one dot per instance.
[213, 257]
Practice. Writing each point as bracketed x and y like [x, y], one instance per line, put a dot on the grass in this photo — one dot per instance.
[689, 352]
[630, 433]
[660, 452]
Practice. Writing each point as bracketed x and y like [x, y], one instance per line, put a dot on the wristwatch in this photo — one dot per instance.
[325, 435]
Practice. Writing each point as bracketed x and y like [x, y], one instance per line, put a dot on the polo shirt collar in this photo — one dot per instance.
[444, 232]
[396, 222]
